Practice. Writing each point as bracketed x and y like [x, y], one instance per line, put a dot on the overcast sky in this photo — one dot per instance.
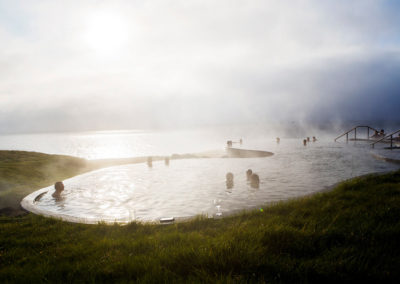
[81, 65]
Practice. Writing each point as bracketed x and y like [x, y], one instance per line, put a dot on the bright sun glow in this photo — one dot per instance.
[106, 32]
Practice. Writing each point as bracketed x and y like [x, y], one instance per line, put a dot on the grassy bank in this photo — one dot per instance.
[24, 172]
[349, 234]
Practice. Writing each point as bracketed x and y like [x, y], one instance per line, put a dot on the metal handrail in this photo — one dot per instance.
[383, 138]
[355, 132]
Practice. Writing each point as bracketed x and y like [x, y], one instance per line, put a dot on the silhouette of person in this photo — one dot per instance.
[59, 186]
[249, 172]
[229, 180]
[254, 181]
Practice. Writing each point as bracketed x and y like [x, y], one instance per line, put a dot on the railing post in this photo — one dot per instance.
[347, 137]
[368, 133]
[391, 142]
[355, 133]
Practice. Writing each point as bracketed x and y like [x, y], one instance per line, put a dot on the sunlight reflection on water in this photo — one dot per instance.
[115, 144]
[198, 186]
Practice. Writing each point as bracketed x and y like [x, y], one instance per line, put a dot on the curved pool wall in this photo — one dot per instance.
[191, 187]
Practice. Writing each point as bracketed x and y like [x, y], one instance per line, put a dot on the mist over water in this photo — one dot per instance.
[134, 143]
[198, 186]
[115, 144]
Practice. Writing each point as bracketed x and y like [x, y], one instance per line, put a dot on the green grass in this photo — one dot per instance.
[349, 234]
[24, 172]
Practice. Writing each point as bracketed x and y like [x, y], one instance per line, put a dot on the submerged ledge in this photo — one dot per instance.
[228, 153]
[385, 158]
[245, 153]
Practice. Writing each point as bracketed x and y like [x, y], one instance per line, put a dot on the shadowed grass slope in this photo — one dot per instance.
[24, 172]
[346, 235]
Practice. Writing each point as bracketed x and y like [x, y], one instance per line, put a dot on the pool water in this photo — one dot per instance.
[190, 187]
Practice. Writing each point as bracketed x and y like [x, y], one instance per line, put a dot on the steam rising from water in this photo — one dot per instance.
[197, 186]
[134, 143]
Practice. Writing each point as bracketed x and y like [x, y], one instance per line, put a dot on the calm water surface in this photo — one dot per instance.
[197, 186]
[117, 144]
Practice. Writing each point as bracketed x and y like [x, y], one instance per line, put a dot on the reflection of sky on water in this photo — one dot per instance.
[134, 143]
[198, 186]
[115, 144]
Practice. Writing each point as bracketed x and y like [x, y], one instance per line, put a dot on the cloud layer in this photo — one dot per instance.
[187, 63]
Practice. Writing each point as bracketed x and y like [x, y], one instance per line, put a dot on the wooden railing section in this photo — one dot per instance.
[355, 132]
[386, 138]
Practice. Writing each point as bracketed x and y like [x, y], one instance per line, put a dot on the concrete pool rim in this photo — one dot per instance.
[28, 203]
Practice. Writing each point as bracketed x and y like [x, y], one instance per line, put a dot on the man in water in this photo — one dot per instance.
[59, 186]
[255, 181]
[229, 180]
[249, 172]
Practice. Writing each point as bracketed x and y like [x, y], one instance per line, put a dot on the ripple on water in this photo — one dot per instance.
[198, 186]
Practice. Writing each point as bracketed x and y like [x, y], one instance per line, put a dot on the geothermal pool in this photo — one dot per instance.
[191, 187]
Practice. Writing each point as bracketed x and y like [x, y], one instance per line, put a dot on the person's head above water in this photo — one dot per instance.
[248, 173]
[59, 186]
[229, 176]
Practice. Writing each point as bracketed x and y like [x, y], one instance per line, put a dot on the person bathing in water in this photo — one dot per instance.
[59, 186]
